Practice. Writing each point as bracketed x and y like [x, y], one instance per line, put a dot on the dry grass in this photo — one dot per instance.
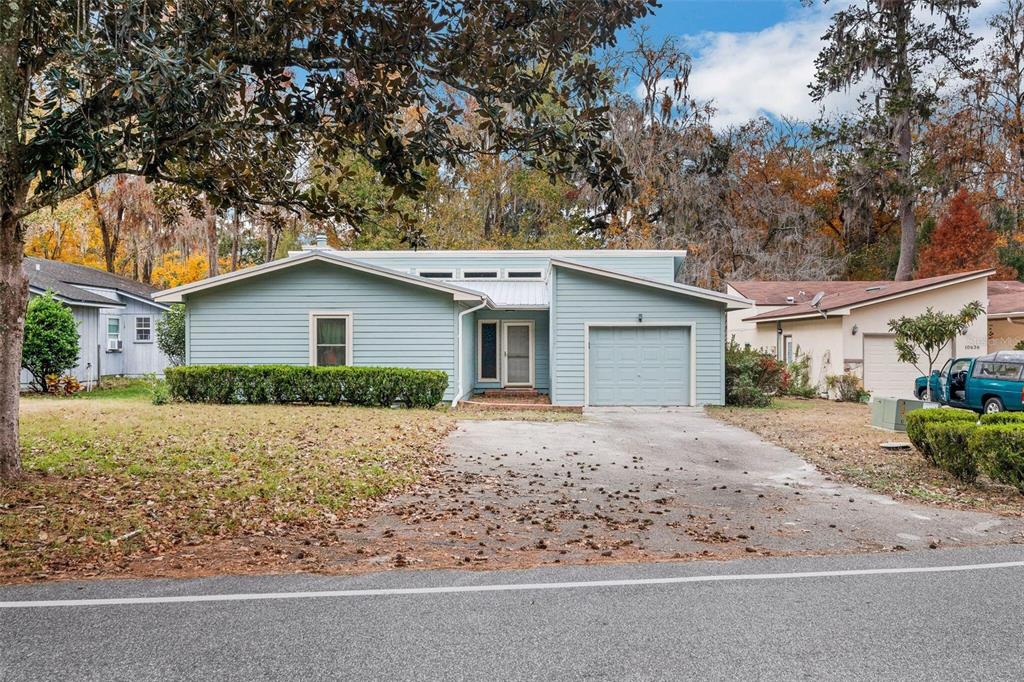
[108, 480]
[838, 439]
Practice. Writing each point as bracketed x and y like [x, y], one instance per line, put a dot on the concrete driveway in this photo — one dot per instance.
[662, 483]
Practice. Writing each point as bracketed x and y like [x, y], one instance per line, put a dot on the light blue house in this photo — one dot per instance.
[596, 327]
[116, 319]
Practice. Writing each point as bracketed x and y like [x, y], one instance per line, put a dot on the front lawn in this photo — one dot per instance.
[838, 439]
[111, 479]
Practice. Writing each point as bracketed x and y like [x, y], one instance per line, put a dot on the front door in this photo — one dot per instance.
[518, 355]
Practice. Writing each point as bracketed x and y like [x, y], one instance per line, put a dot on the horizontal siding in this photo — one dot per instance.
[660, 266]
[542, 369]
[87, 321]
[580, 298]
[137, 358]
[265, 320]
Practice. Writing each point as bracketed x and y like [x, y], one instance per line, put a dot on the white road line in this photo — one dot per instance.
[514, 587]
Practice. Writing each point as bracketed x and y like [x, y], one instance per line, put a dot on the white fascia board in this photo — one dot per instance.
[731, 302]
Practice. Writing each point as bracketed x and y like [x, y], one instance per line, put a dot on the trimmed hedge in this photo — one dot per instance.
[948, 443]
[1003, 418]
[253, 384]
[1000, 452]
[918, 420]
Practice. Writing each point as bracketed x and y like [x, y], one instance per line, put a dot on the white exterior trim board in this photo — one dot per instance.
[316, 314]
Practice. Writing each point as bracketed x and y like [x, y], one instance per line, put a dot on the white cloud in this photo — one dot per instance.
[767, 72]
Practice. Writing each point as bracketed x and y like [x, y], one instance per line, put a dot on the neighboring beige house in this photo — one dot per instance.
[1005, 315]
[847, 328]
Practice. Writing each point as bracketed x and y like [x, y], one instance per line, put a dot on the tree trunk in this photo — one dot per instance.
[111, 235]
[14, 82]
[13, 298]
[236, 230]
[212, 243]
[908, 222]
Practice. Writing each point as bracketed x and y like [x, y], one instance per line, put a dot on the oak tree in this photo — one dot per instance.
[208, 93]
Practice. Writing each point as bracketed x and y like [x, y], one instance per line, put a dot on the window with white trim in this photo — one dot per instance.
[524, 274]
[144, 329]
[437, 274]
[331, 336]
[487, 351]
[113, 334]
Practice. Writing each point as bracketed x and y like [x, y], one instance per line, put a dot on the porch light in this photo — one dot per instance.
[854, 330]
[640, 317]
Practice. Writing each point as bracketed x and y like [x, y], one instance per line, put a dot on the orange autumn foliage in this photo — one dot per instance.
[961, 242]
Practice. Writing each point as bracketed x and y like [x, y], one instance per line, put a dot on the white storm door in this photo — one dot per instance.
[517, 360]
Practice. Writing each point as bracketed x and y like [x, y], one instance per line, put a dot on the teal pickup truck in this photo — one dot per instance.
[991, 383]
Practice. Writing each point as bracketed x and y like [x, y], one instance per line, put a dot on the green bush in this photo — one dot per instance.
[799, 371]
[752, 377]
[847, 388]
[51, 340]
[918, 420]
[170, 334]
[379, 386]
[999, 449]
[1003, 418]
[948, 443]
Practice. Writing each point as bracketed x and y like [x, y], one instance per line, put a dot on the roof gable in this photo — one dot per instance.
[731, 302]
[458, 293]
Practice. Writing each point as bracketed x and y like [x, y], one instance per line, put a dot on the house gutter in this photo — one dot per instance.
[459, 389]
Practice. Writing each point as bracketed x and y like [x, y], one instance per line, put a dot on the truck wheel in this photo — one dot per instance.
[993, 405]
[922, 393]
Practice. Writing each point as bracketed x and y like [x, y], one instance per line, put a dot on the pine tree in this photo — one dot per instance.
[962, 241]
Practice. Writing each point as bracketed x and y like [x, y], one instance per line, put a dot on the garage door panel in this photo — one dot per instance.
[884, 374]
[639, 366]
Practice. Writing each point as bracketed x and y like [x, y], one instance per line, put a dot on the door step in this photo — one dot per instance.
[511, 393]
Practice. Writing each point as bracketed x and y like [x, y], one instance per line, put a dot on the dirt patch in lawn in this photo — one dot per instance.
[838, 439]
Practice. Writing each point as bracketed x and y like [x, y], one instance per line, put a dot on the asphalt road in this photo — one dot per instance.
[789, 618]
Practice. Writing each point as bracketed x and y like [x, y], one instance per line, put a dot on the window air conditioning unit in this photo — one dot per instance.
[116, 345]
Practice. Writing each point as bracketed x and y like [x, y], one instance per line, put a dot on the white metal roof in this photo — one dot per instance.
[506, 294]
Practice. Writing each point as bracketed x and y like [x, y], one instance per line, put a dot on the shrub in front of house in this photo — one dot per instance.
[918, 421]
[1003, 418]
[847, 388]
[376, 386]
[752, 377]
[949, 444]
[999, 449]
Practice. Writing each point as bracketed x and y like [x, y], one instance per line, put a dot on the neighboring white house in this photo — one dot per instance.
[847, 328]
[116, 317]
[1005, 315]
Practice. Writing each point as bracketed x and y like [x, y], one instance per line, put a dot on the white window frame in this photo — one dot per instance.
[480, 351]
[467, 273]
[149, 328]
[505, 324]
[116, 337]
[315, 315]
[535, 274]
[692, 326]
[448, 272]
[788, 349]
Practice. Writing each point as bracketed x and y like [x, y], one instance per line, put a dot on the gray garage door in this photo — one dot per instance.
[639, 366]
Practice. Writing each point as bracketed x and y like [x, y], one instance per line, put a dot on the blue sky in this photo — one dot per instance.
[756, 57]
